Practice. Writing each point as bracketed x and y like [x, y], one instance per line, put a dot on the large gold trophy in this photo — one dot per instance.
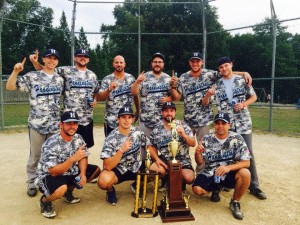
[141, 210]
[175, 204]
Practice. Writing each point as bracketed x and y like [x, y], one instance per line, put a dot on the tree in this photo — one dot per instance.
[81, 41]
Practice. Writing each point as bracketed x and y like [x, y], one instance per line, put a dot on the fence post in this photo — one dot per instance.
[1, 83]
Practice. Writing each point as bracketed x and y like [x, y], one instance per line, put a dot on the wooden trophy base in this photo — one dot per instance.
[175, 213]
[173, 208]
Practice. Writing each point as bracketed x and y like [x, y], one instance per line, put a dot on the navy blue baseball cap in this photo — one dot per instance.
[158, 54]
[222, 116]
[196, 55]
[223, 60]
[82, 52]
[51, 51]
[168, 105]
[69, 116]
[126, 110]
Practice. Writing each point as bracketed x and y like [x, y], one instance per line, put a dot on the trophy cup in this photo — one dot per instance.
[143, 211]
[174, 206]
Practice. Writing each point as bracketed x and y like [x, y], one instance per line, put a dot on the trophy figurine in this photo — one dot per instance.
[147, 161]
[174, 144]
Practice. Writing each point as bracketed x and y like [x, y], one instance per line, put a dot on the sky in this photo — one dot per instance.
[232, 14]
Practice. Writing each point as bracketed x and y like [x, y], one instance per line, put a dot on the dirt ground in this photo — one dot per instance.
[278, 164]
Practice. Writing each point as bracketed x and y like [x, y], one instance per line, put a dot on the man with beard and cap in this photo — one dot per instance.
[115, 90]
[64, 156]
[154, 89]
[81, 88]
[161, 135]
[45, 88]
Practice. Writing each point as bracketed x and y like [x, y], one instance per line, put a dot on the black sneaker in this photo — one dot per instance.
[258, 193]
[47, 209]
[31, 192]
[70, 198]
[164, 185]
[235, 208]
[215, 196]
[111, 197]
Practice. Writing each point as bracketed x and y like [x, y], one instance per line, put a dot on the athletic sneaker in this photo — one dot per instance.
[47, 209]
[31, 192]
[215, 196]
[258, 193]
[236, 209]
[164, 185]
[111, 197]
[70, 198]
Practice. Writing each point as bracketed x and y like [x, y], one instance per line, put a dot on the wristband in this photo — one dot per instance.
[120, 150]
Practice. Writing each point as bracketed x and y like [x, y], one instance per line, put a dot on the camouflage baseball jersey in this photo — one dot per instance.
[193, 90]
[240, 121]
[55, 151]
[216, 154]
[78, 88]
[117, 98]
[130, 160]
[44, 98]
[160, 137]
[152, 90]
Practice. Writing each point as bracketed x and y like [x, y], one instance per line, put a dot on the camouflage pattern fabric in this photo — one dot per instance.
[44, 98]
[216, 154]
[117, 98]
[193, 90]
[55, 151]
[78, 88]
[240, 121]
[152, 90]
[160, 137]
[130, 160]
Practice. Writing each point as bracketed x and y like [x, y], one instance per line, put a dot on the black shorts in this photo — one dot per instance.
[107, 129]
[208, 183]
[87, 133]
[126, 176]
[183, 167]
[50, 183]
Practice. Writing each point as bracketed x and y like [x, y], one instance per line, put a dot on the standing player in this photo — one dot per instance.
[81, 85]
[45, 88]
[154, 89]
[115, 90]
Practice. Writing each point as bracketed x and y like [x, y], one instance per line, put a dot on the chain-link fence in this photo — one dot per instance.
[277, 106]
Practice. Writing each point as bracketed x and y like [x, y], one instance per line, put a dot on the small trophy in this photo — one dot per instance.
[143, 211]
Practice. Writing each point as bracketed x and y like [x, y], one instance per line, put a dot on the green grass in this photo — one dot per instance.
[286, 121]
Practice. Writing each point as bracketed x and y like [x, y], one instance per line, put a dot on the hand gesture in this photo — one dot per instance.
[34, 57]
[113, 85]
[19, 66]
[126, 145]
[199, 149]
[180, 130]
[141, 77]
[211, 91]
[80, 153]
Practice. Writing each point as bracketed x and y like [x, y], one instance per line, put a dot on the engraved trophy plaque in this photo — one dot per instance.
[174, 206]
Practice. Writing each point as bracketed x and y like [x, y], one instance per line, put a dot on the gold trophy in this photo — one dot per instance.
[174, 144]
[143, 211]
[174, 206]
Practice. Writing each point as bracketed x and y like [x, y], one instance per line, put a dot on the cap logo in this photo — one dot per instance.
[195, 54]
[168, 103]
[221, 115]
[72, 115]
[126, 109]
[52, 51]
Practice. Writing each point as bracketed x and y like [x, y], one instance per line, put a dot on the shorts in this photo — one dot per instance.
[50, 183]
[87, 133]
[183, 167]
[107, 129]
[208, 183]
[128, 175]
